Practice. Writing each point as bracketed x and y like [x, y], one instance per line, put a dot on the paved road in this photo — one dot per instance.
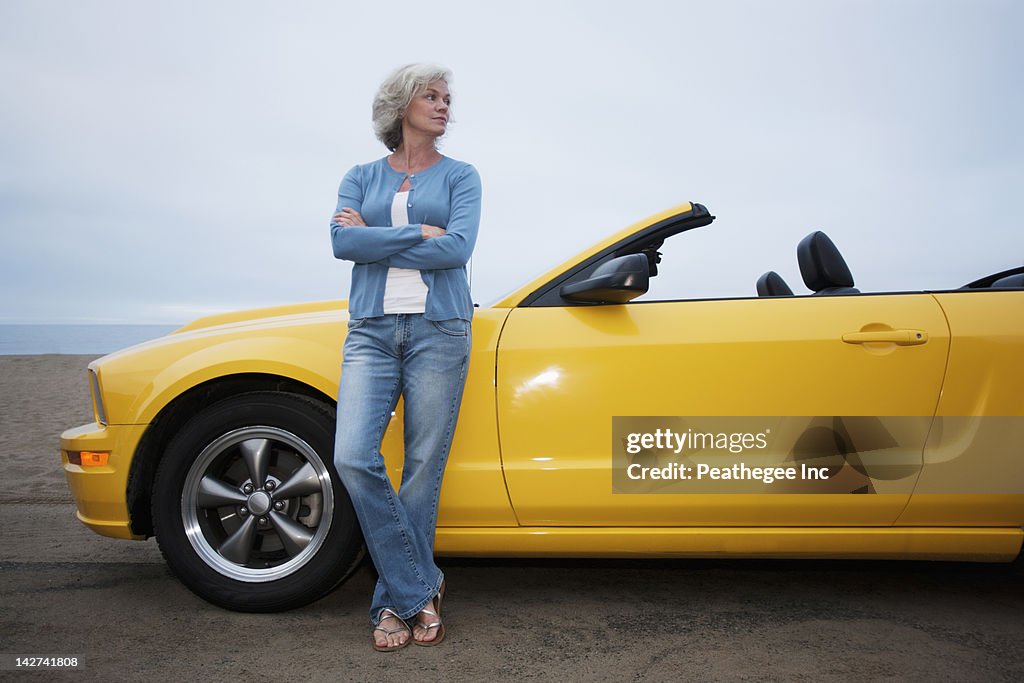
[114, 604]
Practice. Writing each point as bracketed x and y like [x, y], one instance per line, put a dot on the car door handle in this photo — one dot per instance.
[898, 337]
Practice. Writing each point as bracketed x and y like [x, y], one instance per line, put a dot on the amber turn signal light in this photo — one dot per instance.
[88, 458]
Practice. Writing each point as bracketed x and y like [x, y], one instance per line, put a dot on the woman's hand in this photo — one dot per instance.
[431, 231]
[348, 217]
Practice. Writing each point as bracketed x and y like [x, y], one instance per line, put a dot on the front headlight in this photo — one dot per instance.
[98, 411]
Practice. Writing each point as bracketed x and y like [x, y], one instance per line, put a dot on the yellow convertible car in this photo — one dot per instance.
[595, 422]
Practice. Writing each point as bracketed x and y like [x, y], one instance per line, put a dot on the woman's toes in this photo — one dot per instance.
[422, 633]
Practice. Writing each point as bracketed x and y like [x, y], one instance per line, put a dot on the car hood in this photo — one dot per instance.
[224, 324]
[258, 315]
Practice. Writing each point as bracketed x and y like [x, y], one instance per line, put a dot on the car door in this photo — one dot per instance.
[973, 474]
[565, 371]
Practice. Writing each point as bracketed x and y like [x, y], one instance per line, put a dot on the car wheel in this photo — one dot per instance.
[247, 507]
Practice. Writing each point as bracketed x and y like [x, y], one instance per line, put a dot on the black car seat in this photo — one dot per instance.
[772, 284]
[822, 266]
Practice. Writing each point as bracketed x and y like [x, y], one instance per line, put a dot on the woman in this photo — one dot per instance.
[409, 222]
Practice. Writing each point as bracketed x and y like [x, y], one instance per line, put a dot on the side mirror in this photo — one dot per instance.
[614, 282]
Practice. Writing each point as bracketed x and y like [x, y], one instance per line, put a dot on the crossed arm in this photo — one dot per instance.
[419, 246]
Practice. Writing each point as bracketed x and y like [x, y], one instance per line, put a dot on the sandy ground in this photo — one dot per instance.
[114, 604]
[40, 396]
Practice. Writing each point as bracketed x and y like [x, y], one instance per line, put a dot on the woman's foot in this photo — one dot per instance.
[391, 633]
[428, 629]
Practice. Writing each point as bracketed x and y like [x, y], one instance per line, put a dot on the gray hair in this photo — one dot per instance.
[394, 96]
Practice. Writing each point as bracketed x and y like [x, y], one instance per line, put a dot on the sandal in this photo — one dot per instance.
[436, 623]
[388, 614]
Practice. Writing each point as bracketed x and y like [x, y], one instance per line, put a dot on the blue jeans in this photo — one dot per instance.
[425, 362]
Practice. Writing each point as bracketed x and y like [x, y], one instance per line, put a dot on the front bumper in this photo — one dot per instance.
[101, 493]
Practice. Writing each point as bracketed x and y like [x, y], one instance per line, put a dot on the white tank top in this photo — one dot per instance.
[405, 291]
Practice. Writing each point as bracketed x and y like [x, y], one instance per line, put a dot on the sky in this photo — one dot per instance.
[167, 160]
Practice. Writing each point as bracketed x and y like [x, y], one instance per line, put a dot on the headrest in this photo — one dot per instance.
[1009, 282]
[772, 284]
[821, 265]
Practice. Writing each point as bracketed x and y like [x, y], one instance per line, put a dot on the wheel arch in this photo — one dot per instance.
[179, 411]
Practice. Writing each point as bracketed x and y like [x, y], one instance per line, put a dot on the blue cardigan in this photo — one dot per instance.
[447, 195]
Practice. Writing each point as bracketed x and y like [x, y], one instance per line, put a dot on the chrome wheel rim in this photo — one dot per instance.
[257, 504]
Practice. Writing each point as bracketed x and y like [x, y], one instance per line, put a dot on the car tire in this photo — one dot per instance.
[248, 510]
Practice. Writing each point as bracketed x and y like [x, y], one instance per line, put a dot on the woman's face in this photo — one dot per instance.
[427, 112]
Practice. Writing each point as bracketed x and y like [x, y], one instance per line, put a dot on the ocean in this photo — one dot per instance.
[75, 339]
